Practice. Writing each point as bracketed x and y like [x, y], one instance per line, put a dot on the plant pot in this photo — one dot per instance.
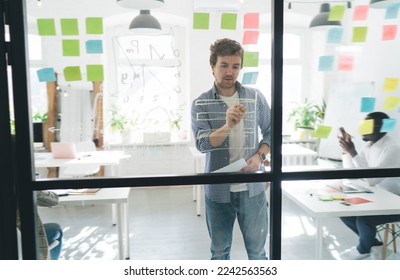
[304, 133]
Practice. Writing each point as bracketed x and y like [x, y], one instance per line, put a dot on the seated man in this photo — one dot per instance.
[383, 151]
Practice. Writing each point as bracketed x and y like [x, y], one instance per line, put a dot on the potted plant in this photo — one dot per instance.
[306, 116]
[122, 124]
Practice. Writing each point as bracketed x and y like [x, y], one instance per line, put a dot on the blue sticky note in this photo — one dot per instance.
[367, 104]
[335, 35]
[388, 125]
[325, 63]
[250, 78]
[46, 75]
[94, 46]
[392, 11]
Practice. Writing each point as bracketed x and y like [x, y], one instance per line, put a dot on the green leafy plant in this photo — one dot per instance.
[39, 117]
[307, 114]
[120, 122]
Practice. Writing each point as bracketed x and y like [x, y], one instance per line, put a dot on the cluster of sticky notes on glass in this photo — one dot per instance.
[69, 26]
[344, 63]
[367, 126]
[202, 21]
[94, 72]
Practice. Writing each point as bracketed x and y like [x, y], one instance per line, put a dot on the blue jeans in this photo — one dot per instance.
[53, 233]
[252, 218]
[365, 228]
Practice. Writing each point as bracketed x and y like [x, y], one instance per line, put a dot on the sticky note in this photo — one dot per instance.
[95, 73]
[392, 11]
[201, 20]
[388, 125]
[250, 59]
[389, 32]
[228, 21]
[46, 27]
[72, 73]
[94, 25]
[334, 35]
[325, 63]
[250, 37]
[391, 103]
[359, 34]
[345, 63]
[70, 47]
[366, 127]
[69, 26]
[336, 13]
[251, 21]
[390, 84]
[360, 12]
[367, 104]
[94, 46]
[323, 131]
[46, 75]
[250, 78]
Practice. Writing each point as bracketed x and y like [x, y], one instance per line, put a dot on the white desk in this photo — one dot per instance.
[106, 158]
[306, 195]
[292, 154]
[113, 196]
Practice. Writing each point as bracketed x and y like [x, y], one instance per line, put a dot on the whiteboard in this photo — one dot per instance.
[343, 108]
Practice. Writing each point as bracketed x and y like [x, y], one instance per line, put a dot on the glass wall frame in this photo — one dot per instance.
[27, 183]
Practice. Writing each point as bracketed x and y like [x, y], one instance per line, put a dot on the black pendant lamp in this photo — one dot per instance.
[320, 21]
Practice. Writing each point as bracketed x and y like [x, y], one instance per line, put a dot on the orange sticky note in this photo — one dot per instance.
[360, 12]
[389, 32]
[346, 63]
[251, 21]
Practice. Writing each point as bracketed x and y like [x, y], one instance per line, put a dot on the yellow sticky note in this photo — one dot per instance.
[323, 131]
[391, 103]
[390, 84]
[366, 127]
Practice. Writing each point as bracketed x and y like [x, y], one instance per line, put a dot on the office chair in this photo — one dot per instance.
[83, 170]
[394, 230]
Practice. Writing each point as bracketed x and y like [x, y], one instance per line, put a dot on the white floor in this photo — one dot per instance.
[164, 226]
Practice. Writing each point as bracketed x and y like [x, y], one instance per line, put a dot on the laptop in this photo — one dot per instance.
[348, 187]
[63, 150]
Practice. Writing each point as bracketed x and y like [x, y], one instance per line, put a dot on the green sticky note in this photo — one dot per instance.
[46, 26]
[359, 34]
[323, 131]
[70, 47]
[69, 26]
[201, 21]
[95, 72]
[250, 59]
[72, 73]
[391, 103]
[94, 25]
[228, 21]
[336, 13]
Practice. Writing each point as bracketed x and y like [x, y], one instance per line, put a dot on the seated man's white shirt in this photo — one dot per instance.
[383, 154]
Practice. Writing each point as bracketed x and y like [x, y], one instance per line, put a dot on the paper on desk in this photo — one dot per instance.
[233, 167]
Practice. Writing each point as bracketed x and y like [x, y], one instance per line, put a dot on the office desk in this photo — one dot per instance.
[292, 154]
[114, 196]
[306, 195]
[106, 158]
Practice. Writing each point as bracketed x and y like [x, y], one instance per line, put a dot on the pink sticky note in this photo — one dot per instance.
[251, 21]
[360, 12]
[250, 37]
[346, 63]
[389, 32]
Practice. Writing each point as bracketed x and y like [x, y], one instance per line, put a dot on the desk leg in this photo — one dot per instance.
[199, 199]
[120, 229]
[114, 214]
[318, 240]
[126, 229]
